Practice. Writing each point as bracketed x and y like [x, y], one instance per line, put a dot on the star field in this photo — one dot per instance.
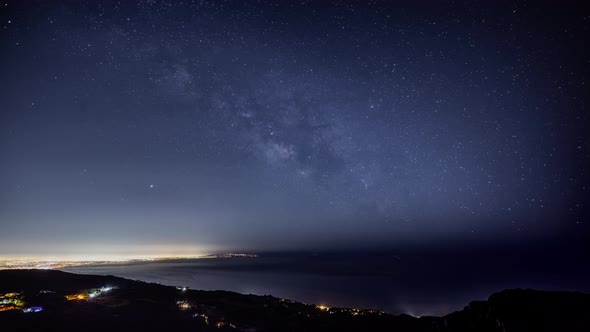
[281, 125]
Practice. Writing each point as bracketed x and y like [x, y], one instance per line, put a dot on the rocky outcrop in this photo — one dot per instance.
[523, 310]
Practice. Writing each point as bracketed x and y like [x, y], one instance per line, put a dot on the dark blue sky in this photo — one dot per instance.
[177, 127]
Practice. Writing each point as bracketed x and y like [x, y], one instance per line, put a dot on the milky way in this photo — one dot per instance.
[289, 125]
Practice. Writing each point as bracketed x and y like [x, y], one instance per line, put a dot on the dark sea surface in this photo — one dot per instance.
[434, 284]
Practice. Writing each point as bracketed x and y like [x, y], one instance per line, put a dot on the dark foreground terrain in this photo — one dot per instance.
[40, 300]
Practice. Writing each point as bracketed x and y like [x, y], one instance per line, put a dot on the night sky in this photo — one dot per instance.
[169, 127]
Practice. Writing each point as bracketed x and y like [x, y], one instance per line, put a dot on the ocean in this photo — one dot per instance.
[416, 285]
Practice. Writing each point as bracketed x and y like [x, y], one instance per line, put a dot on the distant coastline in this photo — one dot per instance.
[53, 263]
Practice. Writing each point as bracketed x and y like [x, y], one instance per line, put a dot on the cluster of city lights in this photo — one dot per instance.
[11, 301]
[184, 305]
[350, 311]
[89, 294]
[50, 263]
[15, 301]
[204, 313]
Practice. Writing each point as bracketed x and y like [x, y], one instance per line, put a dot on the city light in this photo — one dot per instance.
[33, 309]
[11, 301]
[90, 293]
[77, 297]
[48, 263]
[184, 305]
